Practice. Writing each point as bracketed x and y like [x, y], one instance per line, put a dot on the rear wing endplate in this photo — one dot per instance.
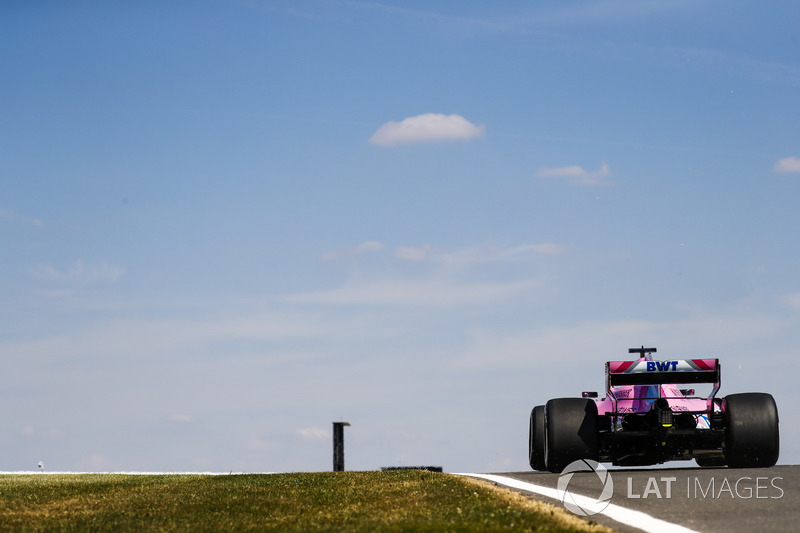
[659, 372]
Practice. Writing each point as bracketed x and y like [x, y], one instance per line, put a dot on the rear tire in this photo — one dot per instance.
[709, 462]
[536, 439]
[752, 437]
[571, 432]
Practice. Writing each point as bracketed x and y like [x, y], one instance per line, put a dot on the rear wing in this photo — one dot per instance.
[661, 372]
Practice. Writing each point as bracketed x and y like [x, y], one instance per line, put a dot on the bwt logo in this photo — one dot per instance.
[661, 366]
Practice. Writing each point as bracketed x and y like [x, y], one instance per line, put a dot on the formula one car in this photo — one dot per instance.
[646, 419]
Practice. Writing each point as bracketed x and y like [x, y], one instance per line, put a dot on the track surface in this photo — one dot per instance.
[703, 499]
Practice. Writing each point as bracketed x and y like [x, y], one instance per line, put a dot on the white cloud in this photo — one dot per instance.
[546, 248]
[793, 300]
[350, 253]
[314, 433]
[80, 273]
[11, 216]
[417, 293]
[410, 253]
[429, 127]
[692, 335]
[787, 165]
[155, 339]
[475, 254]
[490, 253]
[52, 433]
[578, 175]
[369, 246]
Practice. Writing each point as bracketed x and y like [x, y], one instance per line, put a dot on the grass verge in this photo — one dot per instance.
[341, 501]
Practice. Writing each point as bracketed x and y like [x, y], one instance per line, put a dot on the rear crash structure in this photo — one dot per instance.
[650, 416]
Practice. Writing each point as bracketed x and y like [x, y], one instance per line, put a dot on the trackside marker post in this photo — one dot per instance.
[338, 446]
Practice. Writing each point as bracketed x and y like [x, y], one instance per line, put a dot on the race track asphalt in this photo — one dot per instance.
[709, 500]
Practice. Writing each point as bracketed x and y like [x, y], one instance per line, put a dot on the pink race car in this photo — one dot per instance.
[646, 419]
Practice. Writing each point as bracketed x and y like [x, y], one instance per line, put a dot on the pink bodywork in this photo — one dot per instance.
[624, 399]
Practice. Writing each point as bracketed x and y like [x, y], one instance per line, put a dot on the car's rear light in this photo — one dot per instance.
[665, 418]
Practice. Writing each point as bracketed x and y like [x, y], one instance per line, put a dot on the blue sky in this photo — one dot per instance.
[227, 224]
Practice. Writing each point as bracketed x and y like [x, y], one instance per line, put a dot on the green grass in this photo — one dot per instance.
[342, 501]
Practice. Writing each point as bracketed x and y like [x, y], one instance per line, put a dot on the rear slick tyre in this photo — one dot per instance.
[709, 462]
[752, 436]
[536, 439]
[571, 432]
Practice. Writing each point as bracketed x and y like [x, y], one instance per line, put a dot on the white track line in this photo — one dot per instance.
[629, 517]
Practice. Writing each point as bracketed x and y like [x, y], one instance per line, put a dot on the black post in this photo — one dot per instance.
[338, 446]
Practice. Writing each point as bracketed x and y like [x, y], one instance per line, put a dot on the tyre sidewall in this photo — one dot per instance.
[536, 437]
[752, 436]
[571, 432]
